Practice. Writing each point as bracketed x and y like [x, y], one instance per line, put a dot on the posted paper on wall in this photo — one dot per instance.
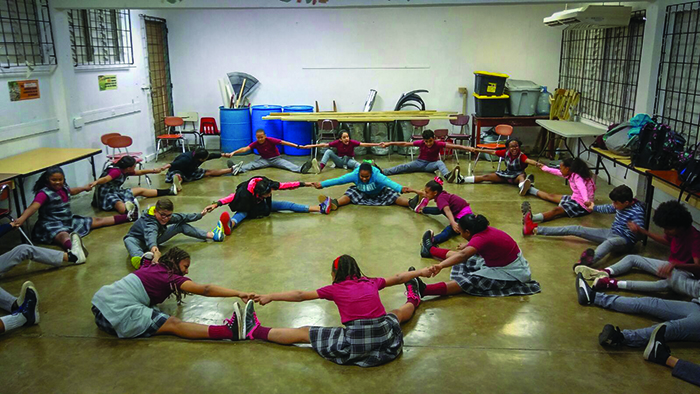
[107, 82]
[24, 90]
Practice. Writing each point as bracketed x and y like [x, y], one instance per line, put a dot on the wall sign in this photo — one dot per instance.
[24, 90]
[107, 82]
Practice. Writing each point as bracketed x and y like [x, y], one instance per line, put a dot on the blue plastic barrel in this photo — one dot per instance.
[273, 128]
[235, 128]
[297, 132]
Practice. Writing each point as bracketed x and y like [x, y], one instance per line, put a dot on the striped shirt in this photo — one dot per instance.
[633, 213]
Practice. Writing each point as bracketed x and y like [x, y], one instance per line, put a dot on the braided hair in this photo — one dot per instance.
[345, 268]
[171, 261]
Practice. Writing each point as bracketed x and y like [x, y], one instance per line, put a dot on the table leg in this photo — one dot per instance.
[20, 185]
[649, 200]
[545, 145]
[15, 195]
[92, 162]
[566, 145]
[474, 142]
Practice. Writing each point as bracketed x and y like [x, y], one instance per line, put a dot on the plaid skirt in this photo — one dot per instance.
[44, 231]
[572, 208]
[509, 175]
[107, 196]
[158, 319]
[387, 196]
[364, 342]
[195, 176]
[486, 287]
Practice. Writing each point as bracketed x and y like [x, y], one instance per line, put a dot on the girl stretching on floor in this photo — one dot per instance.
[56, 223]
[110, 196]
[370, 337]
[371, 188]
[345, 158]
[452, 206]
[490, 264]
[126, 307]
[253, 198]
[515, 161]
[580, 179]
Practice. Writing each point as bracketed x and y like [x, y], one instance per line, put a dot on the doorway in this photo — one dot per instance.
[159, 72]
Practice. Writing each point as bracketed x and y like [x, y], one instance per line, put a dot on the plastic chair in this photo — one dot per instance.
[326, 132]
[461, 121]
[172, 122]
[208, 127]
[417, 124]
[192, 118]
[7, 213]
[120, 142]
[503, 130]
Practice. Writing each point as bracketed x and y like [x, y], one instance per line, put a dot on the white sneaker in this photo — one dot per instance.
[23, 292]
[236, 169]
[589, 273]
[315, 166]
[132, 210]
[77, 248]
[525, 186]
[177, 184]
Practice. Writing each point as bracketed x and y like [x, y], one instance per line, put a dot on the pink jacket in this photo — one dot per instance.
[582, 190]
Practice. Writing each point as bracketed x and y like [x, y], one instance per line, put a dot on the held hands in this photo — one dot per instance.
[539, 165]
[317, 185]
[634, 227]
[589, 204]
[208, 209]
[665, 271]
[435, 269]
[227, 154]
[247, 296]
[263, 299]
[383, 144]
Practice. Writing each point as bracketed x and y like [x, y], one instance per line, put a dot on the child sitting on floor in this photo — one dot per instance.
[269, 156]
[516, 162]
[109, 194]
[56, 223]
[580, 179]
[619, 238]
[345, 158]
[158, 224]
[370, 337]
[452, 206]
[126, 308]
[185, 167]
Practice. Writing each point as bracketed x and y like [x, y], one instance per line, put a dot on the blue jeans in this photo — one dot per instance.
[418, 166]
[340, 162]
[447, 233]
[276, 207]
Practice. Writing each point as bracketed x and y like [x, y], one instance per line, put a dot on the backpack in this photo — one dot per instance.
[689, 171]
[659, 147]
[617, 140]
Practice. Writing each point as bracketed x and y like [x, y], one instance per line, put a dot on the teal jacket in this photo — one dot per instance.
[377, 182]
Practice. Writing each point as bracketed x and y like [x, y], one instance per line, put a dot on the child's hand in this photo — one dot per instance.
[92, 184]
[539, 165]
[634, 227]
[426, 272]
[383, 145]
[88, 187]
[247, 296]
[263, 299]
[471, 149]
[435, 269]
[15, 223]
[455, 227]
[226, 154]
[665, 271]
[462, 246]
[317, 185]
[589, 204]
[209, 208]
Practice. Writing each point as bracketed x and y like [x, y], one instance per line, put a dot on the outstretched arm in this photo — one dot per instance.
[477, 150]
[314, 146]
[289, 296]
[406, 276]
[215, 291]
[237, 151]
[395, 143]
[26, 214]
[290, 144]
[101, 181]
[451, 218]
[457, 146]
[152, 171]
[532, 162]
[460, 256]
[80, 189]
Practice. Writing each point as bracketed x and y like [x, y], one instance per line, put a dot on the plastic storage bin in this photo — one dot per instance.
[523, 97]
[235, 128]
[489, 84]
[490, 106]
[298, 132]
[273, 128]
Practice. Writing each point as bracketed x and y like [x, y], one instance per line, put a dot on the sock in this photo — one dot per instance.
[621, 284]
[321, 165]
[439, 252]
[468, 179]
[220, 332]
[164, 192]
[438, 289]
[538, 217]
[609, 271]
[5, 228]
[13, 321]
[119, 219]
[71, 257]
[261, 333]
[68, 244]
[533, 190]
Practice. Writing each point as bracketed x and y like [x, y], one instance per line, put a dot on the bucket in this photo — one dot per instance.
[297, 132]
[235, 128]
[273, 128]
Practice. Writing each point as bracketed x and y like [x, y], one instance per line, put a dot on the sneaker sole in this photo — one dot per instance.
[177, 183]
[580, 286]
[452, 175]
[237, 312]
[322, 198]
[75, 239]
[315, 166]
[225, 220]
[652, 342]
[589, 273]
[23, 292]
[526, 187]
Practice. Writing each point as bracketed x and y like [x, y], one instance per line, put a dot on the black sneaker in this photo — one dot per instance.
[412, 292]
[305, 167]
[657, 351]
[249, 320]
[452, 176]
[426, 244]
[30, 307]
[586, 294]
[611, 336]
[531, 177]
[234, 323]
[412, 203]
[586, 258]
[421, 284]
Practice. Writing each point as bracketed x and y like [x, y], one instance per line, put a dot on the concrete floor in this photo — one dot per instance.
[542, 343]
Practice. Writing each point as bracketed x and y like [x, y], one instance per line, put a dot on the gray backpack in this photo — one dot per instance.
[617, 140]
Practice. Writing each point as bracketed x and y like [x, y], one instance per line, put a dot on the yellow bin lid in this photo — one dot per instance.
[492, 74]
[505, 96]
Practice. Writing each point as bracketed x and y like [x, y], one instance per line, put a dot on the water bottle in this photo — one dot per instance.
[543, 102]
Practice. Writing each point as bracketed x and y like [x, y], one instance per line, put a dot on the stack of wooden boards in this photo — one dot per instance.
[564, 104]
[361, 117]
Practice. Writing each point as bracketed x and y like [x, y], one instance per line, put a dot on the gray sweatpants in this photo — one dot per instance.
[340, 162]
[418, 166]
[680, 281]
[682, 318]
[687, 371]
[609, 241]
[277, 162]
[137, 247]
[18, 255]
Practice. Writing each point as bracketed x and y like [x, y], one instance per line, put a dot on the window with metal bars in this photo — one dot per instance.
[603, 66]
[26, 38]
[100, 37]
[677, 99]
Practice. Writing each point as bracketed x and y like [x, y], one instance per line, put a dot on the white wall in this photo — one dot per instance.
[283, 48]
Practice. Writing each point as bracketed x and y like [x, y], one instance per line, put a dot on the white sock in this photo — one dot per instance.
[533, 190]
[622, 284]
[538, 217]
[610, 271]
[12, 322]
[468, 179]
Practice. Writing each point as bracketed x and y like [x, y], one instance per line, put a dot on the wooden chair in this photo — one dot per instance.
[503, 130]
[5, 193]
[174, 135]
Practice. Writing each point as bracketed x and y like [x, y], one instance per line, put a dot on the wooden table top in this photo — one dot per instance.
[669, 176]
[510, 117]
[7, 176]
[39, 159]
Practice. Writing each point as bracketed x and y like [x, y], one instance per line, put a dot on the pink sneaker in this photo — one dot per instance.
[605, 284]
[423, 203]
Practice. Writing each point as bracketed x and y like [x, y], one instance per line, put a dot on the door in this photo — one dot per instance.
[159, 72]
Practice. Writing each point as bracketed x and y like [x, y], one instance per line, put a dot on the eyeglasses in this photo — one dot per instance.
[164, 215]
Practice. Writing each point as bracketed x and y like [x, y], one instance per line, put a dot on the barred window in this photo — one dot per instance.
[677, 92]
[100, 37]
[26, 38]
[603, 65]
